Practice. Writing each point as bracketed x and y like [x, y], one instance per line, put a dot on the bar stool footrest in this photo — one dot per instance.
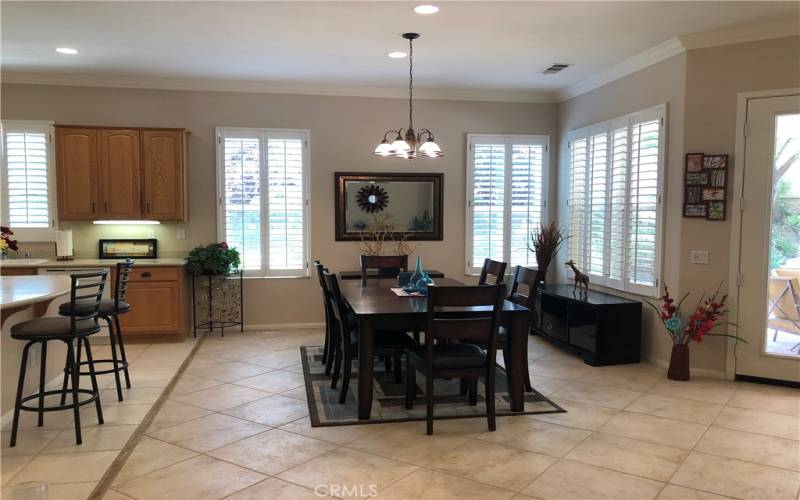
[91, 393]
[120, 366]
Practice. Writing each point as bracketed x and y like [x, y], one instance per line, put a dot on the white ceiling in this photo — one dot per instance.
[467, 46]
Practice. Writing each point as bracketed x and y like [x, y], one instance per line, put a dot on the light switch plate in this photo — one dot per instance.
[699, 256]
[180, 234]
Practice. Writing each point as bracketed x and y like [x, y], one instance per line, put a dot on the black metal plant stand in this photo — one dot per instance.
[223, 313]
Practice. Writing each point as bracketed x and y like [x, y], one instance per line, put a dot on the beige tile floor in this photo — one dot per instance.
[237, 427]
[49, 454]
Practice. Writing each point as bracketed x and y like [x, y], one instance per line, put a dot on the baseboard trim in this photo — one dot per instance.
[698, 372]
[282, 326]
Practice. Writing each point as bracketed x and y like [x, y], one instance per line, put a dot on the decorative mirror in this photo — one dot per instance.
[408, 204]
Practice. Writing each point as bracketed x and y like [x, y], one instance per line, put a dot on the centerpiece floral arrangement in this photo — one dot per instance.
[698, 325]
[7, 242]
[213, 259]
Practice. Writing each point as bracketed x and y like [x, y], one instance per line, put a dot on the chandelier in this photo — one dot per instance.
[407, 142]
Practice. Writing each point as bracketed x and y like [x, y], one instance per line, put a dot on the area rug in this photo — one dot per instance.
[388, 400]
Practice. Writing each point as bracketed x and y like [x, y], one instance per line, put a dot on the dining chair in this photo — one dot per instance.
[523, 293]
[493, 268]
[389, 343]
[388, 266]
[441, 357]
[327, 358]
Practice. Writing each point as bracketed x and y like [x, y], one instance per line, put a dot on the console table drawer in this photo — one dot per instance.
[554, 318]
[583, 326]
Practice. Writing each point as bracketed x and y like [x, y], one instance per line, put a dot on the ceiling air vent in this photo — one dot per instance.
[555, 68]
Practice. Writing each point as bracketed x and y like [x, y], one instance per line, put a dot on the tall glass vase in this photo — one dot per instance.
[413, 282]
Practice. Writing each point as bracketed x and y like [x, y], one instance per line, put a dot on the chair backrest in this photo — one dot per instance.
[325, 294]
[468, 313]
[121, 285]
[784, 295]
[523, 287]
[337, 305]
[388, 266]
[492, 268]
[86, 292]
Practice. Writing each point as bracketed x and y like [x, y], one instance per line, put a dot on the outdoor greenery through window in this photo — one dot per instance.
[616, 171]
[263, 206]
[785, 244]
[506, 197]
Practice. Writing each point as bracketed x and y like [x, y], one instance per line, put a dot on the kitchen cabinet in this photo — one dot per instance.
[157, 296]
[121, 173]
[76, 160]
[163, 174]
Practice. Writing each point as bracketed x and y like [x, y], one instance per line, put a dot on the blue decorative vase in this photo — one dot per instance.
[423, 283]
[413, 282]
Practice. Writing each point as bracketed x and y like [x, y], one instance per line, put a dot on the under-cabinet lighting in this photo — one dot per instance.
[127, 222]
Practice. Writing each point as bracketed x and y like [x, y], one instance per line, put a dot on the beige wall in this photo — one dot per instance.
[714, 77]
[700, 88]
[344, 131]
[658, 84]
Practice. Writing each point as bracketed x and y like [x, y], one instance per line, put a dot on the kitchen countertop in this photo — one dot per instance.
[45, 263]
[20, 291]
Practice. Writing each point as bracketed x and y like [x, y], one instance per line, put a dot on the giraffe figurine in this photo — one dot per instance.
[581, 280]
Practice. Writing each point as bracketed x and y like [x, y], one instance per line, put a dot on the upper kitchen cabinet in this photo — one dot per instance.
[118, 173]
[164, 174]
[76, 150]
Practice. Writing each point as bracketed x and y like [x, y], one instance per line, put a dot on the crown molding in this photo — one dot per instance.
[222, 85]
[660, 52]
[750, 32]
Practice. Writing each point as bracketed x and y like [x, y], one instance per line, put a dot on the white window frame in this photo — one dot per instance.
[655, 113]
[472, 268]
[263, 134]
[30, 234]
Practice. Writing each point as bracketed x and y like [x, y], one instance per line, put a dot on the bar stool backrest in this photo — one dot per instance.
[121, 286]
[86, 292]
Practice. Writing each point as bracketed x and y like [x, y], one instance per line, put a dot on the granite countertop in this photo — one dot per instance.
[19, 291]
[45, 263]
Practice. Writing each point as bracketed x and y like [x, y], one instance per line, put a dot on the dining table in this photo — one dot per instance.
[376, 307]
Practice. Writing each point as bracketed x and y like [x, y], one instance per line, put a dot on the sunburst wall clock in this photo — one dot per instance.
[372, 198]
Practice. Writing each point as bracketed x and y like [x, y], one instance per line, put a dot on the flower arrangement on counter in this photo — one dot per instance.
[695, 327]
[7, 242]
[213, 259]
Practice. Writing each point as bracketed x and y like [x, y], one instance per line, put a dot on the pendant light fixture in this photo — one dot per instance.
[407, 143]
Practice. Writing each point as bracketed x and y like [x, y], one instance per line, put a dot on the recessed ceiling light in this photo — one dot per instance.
[397, 54]
[426, 9]
[67, 51]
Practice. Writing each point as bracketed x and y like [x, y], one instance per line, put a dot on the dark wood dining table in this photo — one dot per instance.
[377, 307]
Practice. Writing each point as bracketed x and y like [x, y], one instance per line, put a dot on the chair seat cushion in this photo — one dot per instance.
[387, 339]
[51, 328]
[84, 307]
[450, 356]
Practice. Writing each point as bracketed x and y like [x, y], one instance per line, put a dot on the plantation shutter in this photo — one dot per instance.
[643, 203]
[615, 201]
[27, 181]
[598, 156]
[527, 203]
[286, 204]
[577, 200]
[242, 198]
[487, 203]
[262, 195]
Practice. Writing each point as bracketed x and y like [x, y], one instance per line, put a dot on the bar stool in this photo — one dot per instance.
[109, 310]
[78, 327]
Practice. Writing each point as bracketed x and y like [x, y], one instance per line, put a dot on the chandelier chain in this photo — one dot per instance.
[411, 84]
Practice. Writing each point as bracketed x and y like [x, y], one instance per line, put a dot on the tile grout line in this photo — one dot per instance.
[111, 472]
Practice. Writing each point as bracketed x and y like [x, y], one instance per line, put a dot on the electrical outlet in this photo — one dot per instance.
[180, 234]
[699, 256]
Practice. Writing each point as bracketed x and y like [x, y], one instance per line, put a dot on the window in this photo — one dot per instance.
[28, 180]
[263, 205]
[616, 171]
[506, 197]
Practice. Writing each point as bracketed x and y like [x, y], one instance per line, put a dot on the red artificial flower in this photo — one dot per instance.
[223, 245]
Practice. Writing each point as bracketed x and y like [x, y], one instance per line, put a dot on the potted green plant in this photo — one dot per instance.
[214, 259]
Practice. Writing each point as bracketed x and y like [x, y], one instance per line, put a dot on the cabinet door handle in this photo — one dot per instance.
[105, 206]
[145, 274]
[93, 207]
[148, 207]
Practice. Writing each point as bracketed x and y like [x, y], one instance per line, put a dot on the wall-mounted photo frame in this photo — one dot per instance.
[712, 162]
[697, 179]
[696, 210]
[713, 194]
[716, 210]
[411, 203]
[694, 162]
[718, 178]
[693, 194]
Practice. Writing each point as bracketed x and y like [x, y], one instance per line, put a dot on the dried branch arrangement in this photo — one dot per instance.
[381, 233]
